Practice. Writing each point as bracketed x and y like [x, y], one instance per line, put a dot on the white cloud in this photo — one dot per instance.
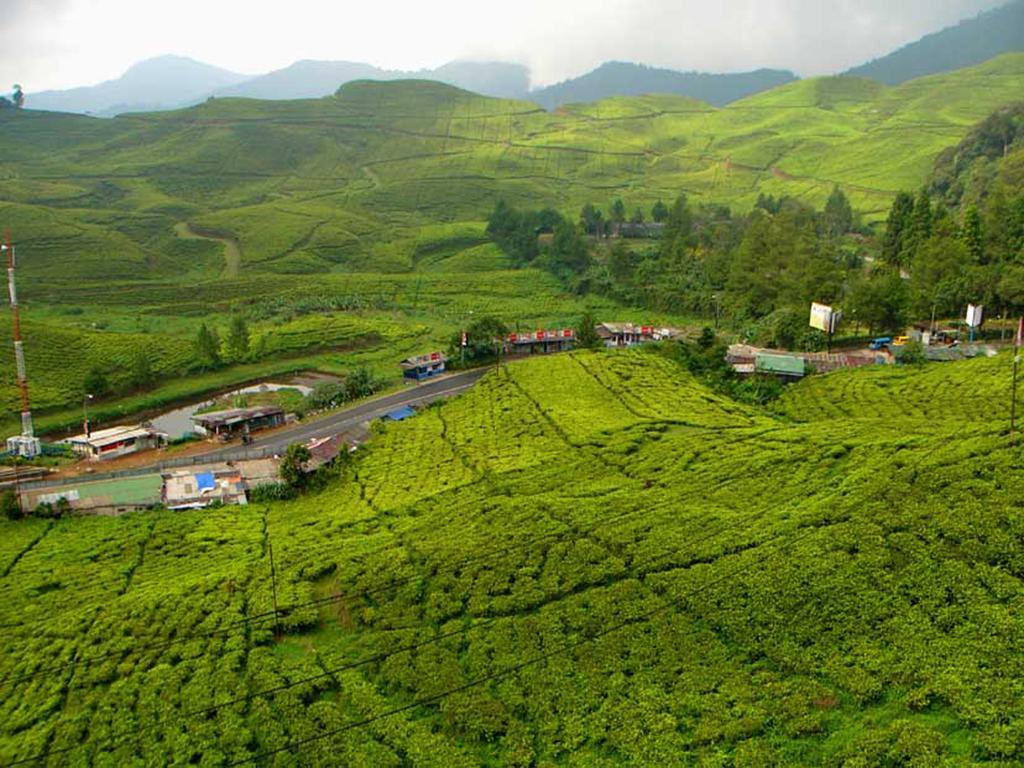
[61, 43]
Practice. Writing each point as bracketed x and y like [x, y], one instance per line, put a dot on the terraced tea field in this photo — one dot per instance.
[372, 203]
[587, 559]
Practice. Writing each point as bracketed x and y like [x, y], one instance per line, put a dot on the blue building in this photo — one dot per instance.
[424, 366]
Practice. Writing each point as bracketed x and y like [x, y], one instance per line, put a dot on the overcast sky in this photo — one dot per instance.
[62, 43]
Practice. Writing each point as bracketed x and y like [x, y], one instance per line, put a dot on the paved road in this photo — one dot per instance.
[349, 418]
[277, 442]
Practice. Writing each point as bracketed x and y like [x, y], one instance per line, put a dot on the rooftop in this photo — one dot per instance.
[103, 437]
[789, 365]
[236, 415]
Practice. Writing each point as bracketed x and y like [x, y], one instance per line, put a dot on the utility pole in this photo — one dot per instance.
[28, 445]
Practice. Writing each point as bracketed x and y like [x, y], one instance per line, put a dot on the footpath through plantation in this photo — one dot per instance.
[589, 559]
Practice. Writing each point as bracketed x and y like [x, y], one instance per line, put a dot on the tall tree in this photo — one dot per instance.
[207, 347]
[838, 216]
[678, 235]
[618, 214]
[659, 212]
[293, 466]
[593, 220]
[586, 332]
[920, 229]
[18, 97]
[896, 228]
[238, 338]
[972, 237]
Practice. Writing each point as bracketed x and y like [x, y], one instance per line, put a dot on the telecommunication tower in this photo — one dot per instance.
[26, 444]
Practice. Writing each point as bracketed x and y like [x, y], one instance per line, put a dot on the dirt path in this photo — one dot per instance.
[232, 251]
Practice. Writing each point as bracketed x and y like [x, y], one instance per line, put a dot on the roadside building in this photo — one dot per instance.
[324, 450]
[201, 487]
[399, 414]
[786, 368]
[629, 335]
[541, 341]
[116, 441]
[424, 366]
[103, 497]
[225, 425]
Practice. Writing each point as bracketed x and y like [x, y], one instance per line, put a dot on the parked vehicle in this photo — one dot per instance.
[880, 343]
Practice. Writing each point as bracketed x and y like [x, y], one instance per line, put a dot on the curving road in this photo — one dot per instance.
[277, 441]
[350, 418]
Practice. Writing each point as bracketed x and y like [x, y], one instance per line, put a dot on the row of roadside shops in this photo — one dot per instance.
[175, 488]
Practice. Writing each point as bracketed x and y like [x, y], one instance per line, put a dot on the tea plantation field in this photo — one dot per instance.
[588, 559]
[132, 231]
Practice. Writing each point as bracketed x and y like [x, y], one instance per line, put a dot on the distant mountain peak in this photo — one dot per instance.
[623, 78]
[970, 42]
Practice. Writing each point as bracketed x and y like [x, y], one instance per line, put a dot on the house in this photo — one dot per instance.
[104, 497]
[116, 441]
[201, 487]
[785, 367]
[628, 335]
[424, 366]
[324, 450]
[541, 341]
[235, 422]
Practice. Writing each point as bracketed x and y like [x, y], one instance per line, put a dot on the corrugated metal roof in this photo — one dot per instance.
[103, 437]
[400, 413]
[236, 415]
[784, 364]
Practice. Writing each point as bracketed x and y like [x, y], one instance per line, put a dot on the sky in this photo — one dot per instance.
[63, 43]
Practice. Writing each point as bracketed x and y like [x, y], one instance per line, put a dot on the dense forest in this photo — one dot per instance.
[959, 239]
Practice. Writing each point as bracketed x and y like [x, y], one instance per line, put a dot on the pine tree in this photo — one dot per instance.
[971, 234]
[838, 216]
[896, 229]
[920, 229]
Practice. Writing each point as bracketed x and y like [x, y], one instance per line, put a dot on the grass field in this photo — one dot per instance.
[588, 559]
[370, 204]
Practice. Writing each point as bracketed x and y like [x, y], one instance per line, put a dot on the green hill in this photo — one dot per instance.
[348, 180]
[589, 559]
[375, 197]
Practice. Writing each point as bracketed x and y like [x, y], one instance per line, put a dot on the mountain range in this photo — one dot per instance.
[170, 82]
[970, 42]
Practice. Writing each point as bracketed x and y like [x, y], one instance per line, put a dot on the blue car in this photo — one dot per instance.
[880, 343]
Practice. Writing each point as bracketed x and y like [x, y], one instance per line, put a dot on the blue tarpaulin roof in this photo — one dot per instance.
[400, 413]
[205, 481]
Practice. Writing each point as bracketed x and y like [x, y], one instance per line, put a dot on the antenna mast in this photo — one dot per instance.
[26, 444]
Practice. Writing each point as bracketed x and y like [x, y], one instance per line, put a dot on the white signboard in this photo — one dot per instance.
[974, 315]
[824, 318]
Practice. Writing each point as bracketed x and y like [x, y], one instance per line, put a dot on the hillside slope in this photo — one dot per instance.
[588, 559]
[970, 42]
[345, 183]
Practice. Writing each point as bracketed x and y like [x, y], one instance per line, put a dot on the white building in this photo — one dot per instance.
[116, 441]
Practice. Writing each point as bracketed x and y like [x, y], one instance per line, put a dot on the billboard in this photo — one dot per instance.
[975, 315]
[824, 318]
